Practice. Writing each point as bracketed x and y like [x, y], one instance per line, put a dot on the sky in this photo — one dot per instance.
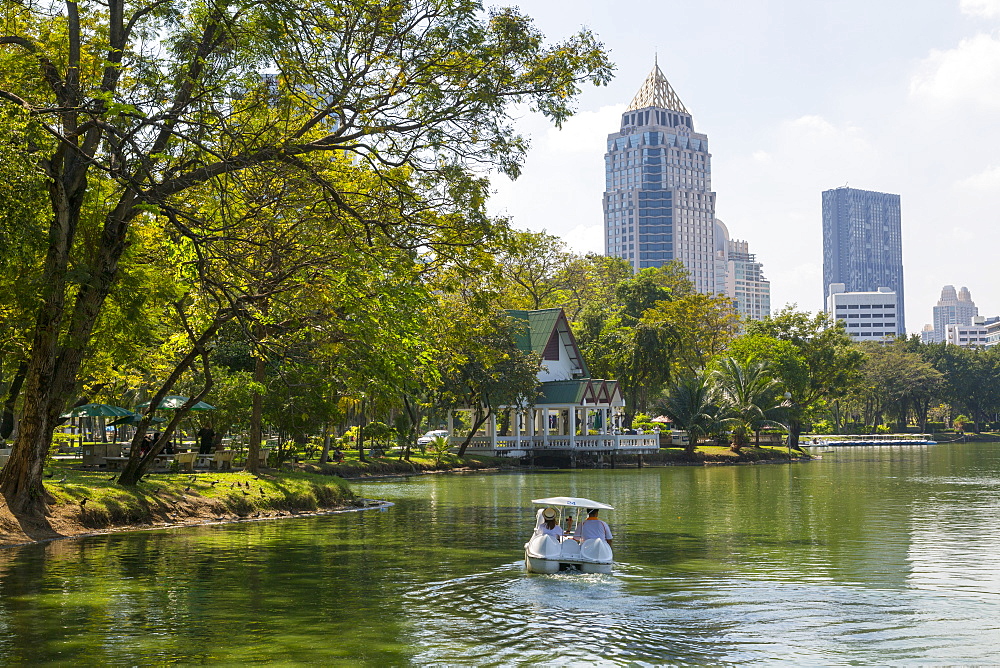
[796, 97]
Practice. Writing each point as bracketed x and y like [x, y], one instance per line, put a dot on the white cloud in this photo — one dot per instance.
[966, 74]
[585, 131]
[987, 180]
[982, 8]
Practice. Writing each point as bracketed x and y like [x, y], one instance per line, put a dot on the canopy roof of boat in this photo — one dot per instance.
[572, 502]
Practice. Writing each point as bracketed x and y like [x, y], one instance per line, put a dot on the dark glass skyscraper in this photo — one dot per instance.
[658, 199]
[862, 243]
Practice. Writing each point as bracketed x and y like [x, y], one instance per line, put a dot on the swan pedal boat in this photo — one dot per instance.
[546, 554]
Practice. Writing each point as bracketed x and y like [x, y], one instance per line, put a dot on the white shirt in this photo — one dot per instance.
[595, 528]
[555, 531]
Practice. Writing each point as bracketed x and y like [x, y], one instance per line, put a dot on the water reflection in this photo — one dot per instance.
[869, 556]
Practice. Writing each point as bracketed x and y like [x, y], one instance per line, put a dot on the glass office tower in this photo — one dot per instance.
[658, 199]
[862, 243]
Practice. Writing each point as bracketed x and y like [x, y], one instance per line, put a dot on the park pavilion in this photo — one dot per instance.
[573, 413]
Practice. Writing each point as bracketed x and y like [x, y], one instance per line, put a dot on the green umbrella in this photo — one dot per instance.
[134, 418]
[97, 410]
[172, 402]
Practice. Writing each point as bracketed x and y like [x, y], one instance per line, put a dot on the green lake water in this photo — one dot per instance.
[870, 556]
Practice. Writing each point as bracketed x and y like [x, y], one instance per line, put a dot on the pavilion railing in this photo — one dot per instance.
[589, 443]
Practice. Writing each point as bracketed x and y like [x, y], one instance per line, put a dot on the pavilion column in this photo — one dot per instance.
[451, 423]
[515, 419]
[572, 426]
[492, 427]
[545, 424]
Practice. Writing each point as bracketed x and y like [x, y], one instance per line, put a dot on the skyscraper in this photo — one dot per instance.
[953, 309]
[740, 277]
[658, 199]
[862, 243]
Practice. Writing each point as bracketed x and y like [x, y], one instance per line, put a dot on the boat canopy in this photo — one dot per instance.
[572, 502]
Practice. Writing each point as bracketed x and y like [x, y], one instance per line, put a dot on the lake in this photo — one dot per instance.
[868, 556]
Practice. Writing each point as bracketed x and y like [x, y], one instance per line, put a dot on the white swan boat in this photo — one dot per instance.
[548, 554]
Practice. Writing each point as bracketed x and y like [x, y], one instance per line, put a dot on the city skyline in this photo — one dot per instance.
[802, 99]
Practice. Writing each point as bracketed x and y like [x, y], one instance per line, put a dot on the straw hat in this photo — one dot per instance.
[549, 513]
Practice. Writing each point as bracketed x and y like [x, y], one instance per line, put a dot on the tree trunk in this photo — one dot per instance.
[362, 423]
[477, 423]
[13, 391]
[256, 417]
[794, 431]
[324, 455]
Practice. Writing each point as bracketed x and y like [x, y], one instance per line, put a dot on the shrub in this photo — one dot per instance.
[822, 427]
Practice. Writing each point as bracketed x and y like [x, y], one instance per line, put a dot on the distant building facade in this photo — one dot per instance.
[740, 277]
[974, 335]
[658, 199]
[862, 245]
[867, 316]
[954, 308]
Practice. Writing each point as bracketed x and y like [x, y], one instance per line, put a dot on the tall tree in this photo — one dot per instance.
[533, 264]
[824, 348]
[691, 403]
[750, 398]
[138, 102]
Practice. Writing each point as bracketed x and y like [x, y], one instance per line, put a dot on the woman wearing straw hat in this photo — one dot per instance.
[549, 526]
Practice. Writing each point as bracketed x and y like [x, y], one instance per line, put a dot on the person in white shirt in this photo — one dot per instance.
[549, 526]
[593, 527]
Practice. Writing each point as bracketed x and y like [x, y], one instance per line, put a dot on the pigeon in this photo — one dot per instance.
[262, 491]
[188, 488]
[83, 502]
[215, 482]
[50, 474]
[246, 493]
[111, 479]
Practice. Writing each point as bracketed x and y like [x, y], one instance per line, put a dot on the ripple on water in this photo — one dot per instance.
[499, 616]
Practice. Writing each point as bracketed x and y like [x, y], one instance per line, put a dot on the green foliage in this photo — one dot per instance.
[750, 398]
[822, 427]
[379, 434]
[438, 448]
[691, 403]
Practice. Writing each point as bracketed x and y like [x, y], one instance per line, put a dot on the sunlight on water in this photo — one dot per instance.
[867, 557]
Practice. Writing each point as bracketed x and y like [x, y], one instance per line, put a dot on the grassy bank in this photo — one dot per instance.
[82, 502]
[352, 467]
[718, 454]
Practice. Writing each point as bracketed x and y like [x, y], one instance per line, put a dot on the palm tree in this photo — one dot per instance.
[690, 403]
[751, 398]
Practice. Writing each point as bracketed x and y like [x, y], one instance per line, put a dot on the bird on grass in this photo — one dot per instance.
[50, 474]
[62, 479]
[246, 493]
[262, 492]
[188, 488]
[215, 482]
[83, 501]
[193, 478]
[112, 478]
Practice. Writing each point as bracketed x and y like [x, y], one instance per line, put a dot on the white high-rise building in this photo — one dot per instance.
[740, 277]
[658, 199]
[954, 308]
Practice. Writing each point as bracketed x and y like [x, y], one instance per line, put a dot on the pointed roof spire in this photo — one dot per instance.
[657, 92]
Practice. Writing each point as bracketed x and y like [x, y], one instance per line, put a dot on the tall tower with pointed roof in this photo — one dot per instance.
[658, 199]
